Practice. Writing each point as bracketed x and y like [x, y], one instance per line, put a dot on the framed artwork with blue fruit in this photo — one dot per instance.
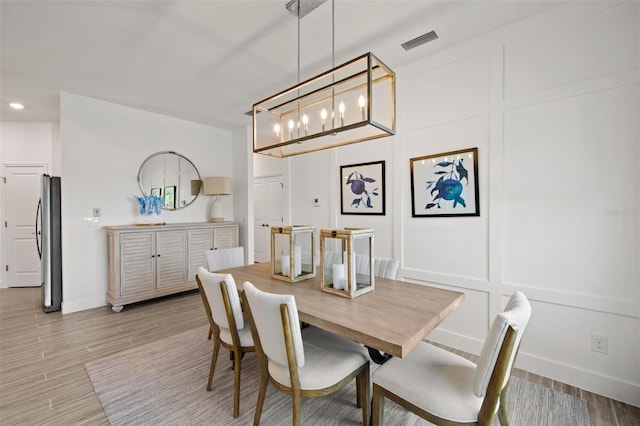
[362, 188]
[445, 184]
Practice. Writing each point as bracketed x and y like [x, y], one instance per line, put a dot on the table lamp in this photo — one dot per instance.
[217, 186]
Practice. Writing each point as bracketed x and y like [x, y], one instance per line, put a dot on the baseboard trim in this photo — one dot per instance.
[611, 387]
[607, 386]
[83, 305]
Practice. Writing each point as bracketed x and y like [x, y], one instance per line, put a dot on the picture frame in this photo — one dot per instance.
[156, 192]
[445, 184]
[170, 197]
[362, 189]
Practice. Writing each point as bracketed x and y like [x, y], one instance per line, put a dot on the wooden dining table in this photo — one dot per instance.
[391, 319]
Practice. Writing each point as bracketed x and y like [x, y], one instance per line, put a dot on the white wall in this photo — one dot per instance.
[102, 147]
[242, 184]
[552, 104]
[23, 144]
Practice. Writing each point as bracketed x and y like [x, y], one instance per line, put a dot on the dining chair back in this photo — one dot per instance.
[386, 267]
[220, 259]
[458, 391]
[302, 363]
[226, 324]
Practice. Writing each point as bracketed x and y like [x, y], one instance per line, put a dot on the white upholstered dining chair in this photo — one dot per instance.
[220, 259]
[226, 320]
[225, 258]
[386, 267]
[302, 363]
[446, 389]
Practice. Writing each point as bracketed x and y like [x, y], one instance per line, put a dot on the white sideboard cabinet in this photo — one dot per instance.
[152, 261]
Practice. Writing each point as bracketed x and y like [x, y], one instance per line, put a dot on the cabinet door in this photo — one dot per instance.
[200, 241]
[225, 237]
[137, 260]
[171, 258]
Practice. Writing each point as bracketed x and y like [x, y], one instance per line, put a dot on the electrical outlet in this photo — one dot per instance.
[316, 202]
[96, 212]
[600, 344]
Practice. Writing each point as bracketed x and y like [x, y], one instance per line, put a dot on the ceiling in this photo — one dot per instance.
[209, 61]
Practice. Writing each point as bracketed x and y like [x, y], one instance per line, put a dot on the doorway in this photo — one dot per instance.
[269, 210]
[22, 192]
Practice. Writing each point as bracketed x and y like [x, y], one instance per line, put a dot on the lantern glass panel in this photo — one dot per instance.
[347, 268]
[292, 253]
[282, 263]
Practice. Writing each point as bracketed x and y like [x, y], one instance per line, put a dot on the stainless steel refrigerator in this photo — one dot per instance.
[49, 242]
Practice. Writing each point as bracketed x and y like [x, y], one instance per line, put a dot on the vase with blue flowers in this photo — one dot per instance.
[148, 205]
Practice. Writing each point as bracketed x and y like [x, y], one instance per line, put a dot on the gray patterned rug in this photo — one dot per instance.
[164, 383]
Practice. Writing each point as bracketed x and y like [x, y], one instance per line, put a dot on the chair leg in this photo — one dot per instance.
[214, 359]
[262, 392]
[377, 407]
[503, 413]
[296, 397]
[210, 332]
[236, 384]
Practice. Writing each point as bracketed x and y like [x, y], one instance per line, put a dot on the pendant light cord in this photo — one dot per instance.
[298, 41]
[333, 34]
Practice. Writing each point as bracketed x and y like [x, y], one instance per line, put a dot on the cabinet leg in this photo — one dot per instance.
[117, 309]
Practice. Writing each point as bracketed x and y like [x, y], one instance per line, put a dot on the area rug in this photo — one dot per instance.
[164, 383]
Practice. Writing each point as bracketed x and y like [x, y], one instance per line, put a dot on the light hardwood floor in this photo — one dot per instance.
[42, 376]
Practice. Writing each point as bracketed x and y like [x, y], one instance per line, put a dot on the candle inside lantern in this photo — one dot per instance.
[284, 265]
[338, 276]
[345, 260]
[291, 124]
[361, 102]
[305, 121]
[341, 109]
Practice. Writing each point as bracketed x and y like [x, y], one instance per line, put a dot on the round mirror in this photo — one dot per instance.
[172, 177]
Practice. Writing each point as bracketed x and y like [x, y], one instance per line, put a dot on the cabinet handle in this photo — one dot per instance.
[153, 255]
[158, 255]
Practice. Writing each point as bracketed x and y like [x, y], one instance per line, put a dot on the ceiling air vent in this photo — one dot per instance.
[420, 40]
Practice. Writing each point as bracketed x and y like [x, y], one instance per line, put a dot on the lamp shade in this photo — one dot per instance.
[217, 186]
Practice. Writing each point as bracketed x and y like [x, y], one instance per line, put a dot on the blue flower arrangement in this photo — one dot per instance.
[149, 204]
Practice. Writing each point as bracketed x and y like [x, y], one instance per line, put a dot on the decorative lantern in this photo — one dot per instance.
[347, 261]
[292, 254]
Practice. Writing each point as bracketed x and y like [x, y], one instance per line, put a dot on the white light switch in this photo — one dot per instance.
[316, 202]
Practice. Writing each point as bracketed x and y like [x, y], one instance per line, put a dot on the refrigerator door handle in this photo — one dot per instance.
[38, 232]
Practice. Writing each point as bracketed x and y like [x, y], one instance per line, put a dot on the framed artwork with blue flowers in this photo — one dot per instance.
[445, 184]
[362, 188]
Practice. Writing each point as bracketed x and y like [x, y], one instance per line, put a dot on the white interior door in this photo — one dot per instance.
[269, 207]
[22, 195]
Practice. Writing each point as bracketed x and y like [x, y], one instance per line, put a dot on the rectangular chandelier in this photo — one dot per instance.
[353, 102]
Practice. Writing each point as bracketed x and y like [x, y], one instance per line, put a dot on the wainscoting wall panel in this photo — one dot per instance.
[552, 103]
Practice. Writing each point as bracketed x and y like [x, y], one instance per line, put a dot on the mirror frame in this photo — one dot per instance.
[180, 156]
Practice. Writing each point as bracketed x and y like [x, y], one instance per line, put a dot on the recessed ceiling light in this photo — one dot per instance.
[16, 105]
